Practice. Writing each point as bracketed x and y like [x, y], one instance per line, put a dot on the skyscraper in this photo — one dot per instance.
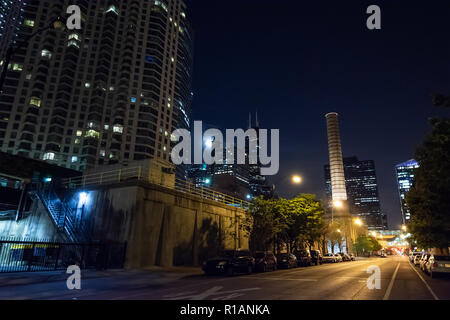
[11, 18]
[362, 190]
[405, 178]
[109, 93]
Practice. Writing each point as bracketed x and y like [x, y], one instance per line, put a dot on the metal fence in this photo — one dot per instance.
[141, 173]
[29, 256]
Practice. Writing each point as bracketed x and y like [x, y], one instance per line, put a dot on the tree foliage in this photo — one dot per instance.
[429, 198]
[366, 245]
[296, 222]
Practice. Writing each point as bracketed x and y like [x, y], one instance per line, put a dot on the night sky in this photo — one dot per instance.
[295, 61]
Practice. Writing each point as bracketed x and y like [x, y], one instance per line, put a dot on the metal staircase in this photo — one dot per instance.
[64, 218]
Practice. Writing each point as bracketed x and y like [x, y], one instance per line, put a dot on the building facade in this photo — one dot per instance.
[405, 178]
[362, 191]
[11, 18]
[109, 93]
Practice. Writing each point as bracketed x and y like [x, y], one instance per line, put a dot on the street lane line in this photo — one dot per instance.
[391, 284]
[280, 278]
[426, 284]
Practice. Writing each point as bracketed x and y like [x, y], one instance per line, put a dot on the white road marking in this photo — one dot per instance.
[280, 278]
[391, 284]
[214, 291]
[426, 284]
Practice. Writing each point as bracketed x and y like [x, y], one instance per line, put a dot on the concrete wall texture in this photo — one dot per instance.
[36, 225]
[162, 226]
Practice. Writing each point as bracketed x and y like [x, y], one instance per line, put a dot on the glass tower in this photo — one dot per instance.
[362, 191]
[405, 178]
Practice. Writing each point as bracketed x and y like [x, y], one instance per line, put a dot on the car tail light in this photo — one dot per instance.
[435, 265]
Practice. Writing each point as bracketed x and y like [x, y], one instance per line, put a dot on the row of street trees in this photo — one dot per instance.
[292, 224]
[275, 223]
[429, 198]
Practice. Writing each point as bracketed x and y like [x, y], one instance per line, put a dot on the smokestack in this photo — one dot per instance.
[338, 189]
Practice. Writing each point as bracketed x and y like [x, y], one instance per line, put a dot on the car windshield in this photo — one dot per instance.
[228, 253]
[260, 255]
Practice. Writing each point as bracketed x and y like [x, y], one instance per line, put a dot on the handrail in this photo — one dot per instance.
[141, 173]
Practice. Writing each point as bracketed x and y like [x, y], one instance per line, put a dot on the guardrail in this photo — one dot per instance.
[143, 174]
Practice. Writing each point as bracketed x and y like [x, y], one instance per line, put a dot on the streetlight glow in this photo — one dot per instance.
[403, 227]
[297, 179]
[358, 222]
[338, 204]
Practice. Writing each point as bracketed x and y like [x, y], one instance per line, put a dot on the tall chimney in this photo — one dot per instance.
[338, 189]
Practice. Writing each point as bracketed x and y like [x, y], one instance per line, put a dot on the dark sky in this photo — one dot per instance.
[294, 61]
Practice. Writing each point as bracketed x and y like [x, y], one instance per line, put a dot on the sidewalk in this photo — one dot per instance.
[27, 278]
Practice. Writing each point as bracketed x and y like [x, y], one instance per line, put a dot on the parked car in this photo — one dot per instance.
[303, 258]
[265, 261]
[352, 257]
[417, 259]
[230, 262]
[423, 261]
[338, 257]
[345, 257]
[286, 261]
[413, 255]
[383, 255]
[316, 257]
[329, 257]
[437, 264]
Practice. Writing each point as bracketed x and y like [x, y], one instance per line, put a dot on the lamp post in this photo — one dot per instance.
[57, 24]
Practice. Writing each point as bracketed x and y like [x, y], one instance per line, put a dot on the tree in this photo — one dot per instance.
[294, 223]
[366, 244]
[428, 199]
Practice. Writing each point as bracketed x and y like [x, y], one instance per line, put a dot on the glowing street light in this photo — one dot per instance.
[338, 230]
[338, 204]
[403, 227]
[358, 222]
[297, 179]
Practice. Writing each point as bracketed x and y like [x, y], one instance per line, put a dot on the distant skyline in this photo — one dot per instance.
[295, 61]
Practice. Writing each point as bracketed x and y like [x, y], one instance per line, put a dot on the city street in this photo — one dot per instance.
[341, 281]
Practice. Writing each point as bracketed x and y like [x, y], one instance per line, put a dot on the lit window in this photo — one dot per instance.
[106, 126]
[34, 101]
[166, 133]
[46, 54]
[74, 159]
[172, 59]
[79, 133]
[73, 43]
[165, 148]
[183, 15]
[29, 23]
[77, 141]
[49, 156]
[102, 153]
[112, 8]
[118, 129]
[87, 85]
[92, 134]
[17, 67]
[74, 36]
[133, 99]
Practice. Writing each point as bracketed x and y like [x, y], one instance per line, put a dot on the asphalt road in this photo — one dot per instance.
[399, 280]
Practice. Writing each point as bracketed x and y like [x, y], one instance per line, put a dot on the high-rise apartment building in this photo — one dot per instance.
[405, 178]
[362, 191]
[109, 93]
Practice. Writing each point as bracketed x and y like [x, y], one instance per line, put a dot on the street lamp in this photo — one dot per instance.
[404, 228]
[297, 179]
[358, 222]
[56, 24]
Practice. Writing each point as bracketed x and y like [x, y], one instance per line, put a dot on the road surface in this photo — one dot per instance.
[340, 281]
